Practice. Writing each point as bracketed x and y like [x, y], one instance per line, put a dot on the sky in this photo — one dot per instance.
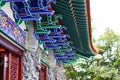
[105, 13]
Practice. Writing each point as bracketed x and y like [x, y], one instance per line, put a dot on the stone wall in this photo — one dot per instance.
[55, 72]
[31, 58]
[31, 65]
[32, 62]
[52, 64]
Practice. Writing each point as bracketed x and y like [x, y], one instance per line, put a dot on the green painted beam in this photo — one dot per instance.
[79, 17]
[61, 53]
[78, 9]
[50, 26]
[79, 12]
[63, 4]
[63, 1]
[65, 9]
[78, 5]
[40, 31]
[65, 49]
[78, 2]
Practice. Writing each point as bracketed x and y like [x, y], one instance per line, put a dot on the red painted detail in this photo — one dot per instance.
[23, 14]
[58, 23]
[35, 8]
[50, 8]
[43, 72]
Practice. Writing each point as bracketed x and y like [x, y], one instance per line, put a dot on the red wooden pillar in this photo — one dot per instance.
[5, 67]
[1, 66]
[43, 72]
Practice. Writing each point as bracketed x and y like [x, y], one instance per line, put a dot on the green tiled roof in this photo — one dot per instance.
[74, 18]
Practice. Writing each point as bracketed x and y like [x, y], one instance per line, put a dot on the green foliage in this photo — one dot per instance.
[70, 72]
[105, 66]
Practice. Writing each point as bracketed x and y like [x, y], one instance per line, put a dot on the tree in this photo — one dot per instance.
[106, 65]
[70, 72]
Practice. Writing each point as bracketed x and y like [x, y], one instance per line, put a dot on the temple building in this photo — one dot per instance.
[39, 37]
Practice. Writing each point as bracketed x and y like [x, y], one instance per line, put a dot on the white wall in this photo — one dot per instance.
[7, 9]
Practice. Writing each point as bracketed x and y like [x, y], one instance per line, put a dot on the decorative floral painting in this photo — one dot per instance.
[11, 29]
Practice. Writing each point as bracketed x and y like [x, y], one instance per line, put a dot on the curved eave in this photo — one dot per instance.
[76, 17]
[93, 48]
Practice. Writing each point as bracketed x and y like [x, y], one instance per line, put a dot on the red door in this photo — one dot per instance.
[10, 66]
[13, 67]
[43, 72]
